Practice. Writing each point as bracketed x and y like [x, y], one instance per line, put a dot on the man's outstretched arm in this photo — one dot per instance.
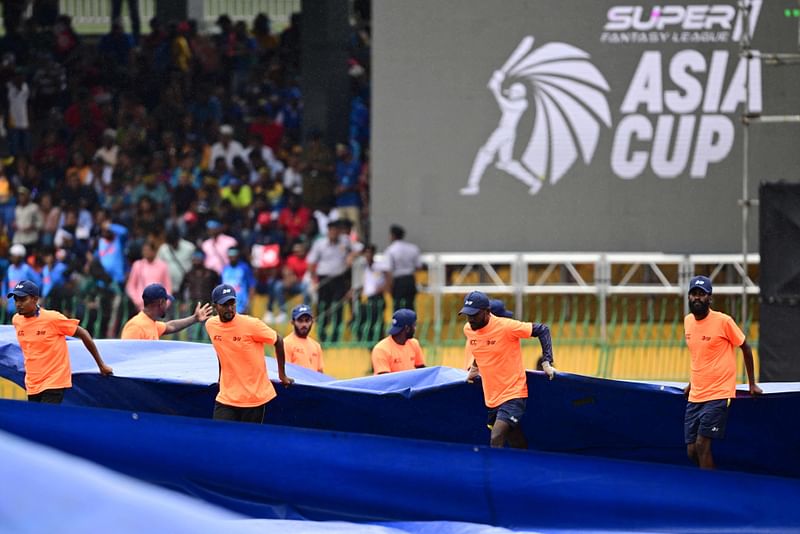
[542, 331]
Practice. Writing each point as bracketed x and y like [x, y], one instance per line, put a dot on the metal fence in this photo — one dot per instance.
[611, 315]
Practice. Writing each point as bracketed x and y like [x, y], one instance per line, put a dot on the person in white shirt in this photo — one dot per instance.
[370, 278]
[227, 147]
[329, 259]
[99, 175]
[403, 260]
[293, 175]
[109, 151]
[176, 252]
[256, 144]
[28, 220]
[19, 136]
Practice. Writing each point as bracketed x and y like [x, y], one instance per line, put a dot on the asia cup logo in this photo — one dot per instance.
[566, 94]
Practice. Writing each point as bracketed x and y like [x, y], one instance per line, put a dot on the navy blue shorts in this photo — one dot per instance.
[235, 413]
[511, 411]
[707, 419]
[48, 396]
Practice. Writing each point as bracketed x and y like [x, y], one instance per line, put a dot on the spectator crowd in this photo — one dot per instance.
[176, 157]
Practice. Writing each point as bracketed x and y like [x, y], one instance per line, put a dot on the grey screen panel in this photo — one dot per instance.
[630, 123]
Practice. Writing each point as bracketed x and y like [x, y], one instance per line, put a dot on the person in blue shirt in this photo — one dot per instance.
[111, 250]
[54, 270]
[239, 275]
[116, 46]
[16, 273]
[348, 195]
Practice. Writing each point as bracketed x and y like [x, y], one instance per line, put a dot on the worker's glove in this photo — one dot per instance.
[549, 370]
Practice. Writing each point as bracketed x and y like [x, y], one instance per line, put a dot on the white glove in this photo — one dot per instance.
[473, 373]
[549, 370]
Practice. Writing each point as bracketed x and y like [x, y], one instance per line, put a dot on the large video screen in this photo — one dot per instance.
[573, 125]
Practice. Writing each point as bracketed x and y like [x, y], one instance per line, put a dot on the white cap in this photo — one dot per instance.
[226, 129]
[18, 249]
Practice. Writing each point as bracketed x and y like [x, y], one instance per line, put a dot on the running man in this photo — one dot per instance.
[512, 104]
[497, 352]
[497, 308]
[145, 324]
[712, 338]
[399, 351]
[244, 387]
[41, 335]
[299, 348]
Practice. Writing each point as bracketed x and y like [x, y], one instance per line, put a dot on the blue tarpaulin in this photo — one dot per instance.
[280, 472]
[81, 496]
[569, 414]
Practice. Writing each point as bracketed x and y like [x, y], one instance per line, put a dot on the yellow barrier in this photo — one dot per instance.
[658, 363]
[9, 390]
[347, 362]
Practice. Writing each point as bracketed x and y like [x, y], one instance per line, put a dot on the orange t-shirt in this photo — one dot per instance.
[243, 380]
[388, 356]
[42, 339]
[140, 326]
[712, 345]
[305, 352]
[498, 353]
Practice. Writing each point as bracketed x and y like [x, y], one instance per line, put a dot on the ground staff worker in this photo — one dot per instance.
[145, 324]
[399, 351]
[301, 349]
[41, 335]
[497, 308]
[244, 387]
[712, 338]
[495, 345]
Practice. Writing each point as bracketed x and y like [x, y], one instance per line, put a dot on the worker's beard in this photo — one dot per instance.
[699, 307]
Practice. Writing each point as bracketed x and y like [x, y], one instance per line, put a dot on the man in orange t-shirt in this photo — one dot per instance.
[41, 335]
[497, 352]
[244, 387]
[299, 348]
[497, 308]
[712, 338]
[399, 351]
[145, 324]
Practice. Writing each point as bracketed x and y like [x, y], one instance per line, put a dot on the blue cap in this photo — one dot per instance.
[701, 282]
[475, 302]
[24, 289]
[401, 319]
[498, 309]
[300, 310]
[213, 225]
[222, 294]
[155, 292]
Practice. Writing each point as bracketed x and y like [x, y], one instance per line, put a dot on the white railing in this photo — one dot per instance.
[599, 274]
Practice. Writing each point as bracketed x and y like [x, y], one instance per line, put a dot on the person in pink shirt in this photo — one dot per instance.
[216, 247]
[146, 271]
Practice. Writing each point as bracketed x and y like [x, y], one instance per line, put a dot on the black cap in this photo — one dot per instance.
[222, 294]
[24, 289]
[155, 292]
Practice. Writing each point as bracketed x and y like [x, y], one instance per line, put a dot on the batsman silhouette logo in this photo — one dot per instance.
[567, 97]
